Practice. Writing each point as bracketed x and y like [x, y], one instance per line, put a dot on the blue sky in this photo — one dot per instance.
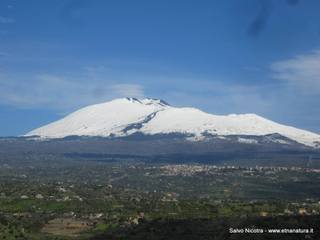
[260, 56]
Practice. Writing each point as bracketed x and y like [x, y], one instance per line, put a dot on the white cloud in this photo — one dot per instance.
[62, 93]
[6, 20]
[302, 71]
[128, 90]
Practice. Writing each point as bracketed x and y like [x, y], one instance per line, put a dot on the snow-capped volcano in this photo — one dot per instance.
[127, 116]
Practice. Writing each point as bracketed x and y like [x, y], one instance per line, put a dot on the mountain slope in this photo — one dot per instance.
[126, 116]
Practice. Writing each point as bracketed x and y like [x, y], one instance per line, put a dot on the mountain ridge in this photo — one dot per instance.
[127, 116]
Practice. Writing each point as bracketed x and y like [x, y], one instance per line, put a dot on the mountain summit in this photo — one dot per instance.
[127, 116]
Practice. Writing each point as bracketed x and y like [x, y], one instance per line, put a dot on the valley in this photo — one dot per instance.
[62, 198]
